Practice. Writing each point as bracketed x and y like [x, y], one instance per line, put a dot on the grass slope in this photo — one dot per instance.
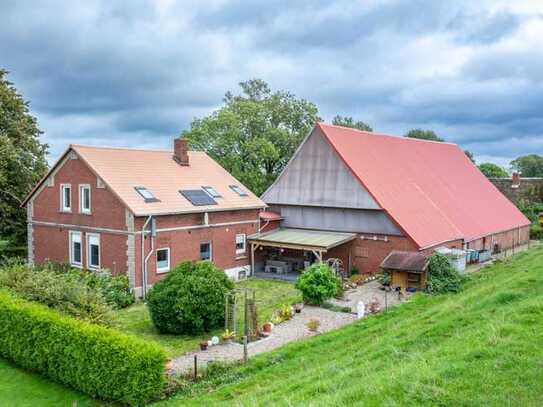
[483, 346]
[24, 389]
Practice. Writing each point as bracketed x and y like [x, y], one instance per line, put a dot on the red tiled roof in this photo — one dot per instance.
[430, 189]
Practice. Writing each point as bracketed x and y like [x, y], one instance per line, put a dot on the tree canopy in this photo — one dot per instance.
[347, 121]
[530, 165]
[423, 135]
[492, 170]
[255, 133]
[432, 136]
[22, 159]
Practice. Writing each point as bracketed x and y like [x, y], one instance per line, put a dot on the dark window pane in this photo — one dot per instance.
[77, 252]
[86, 198]
[205, 251]
[95, 255]
[67, 197]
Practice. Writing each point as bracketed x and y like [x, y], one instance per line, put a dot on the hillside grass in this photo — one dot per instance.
[483, 346]
[25, 389]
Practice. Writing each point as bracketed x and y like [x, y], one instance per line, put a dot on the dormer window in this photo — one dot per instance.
[146, 194]
[212, 192]
[238, 190]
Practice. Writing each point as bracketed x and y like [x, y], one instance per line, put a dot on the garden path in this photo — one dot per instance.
[288, 331]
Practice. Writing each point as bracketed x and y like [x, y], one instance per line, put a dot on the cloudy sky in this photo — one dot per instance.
[135, 73]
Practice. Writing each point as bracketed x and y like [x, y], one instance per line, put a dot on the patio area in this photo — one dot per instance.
[290, 277]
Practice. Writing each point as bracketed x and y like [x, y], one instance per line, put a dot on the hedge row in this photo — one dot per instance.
[96, 360]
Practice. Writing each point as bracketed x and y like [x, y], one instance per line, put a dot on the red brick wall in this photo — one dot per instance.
[107, 210]
[505, 240]
[52, 242]
[185, 244]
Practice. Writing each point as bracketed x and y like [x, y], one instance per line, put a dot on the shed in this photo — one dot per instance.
[407, 269]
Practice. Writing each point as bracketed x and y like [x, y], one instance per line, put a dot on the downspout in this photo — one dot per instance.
[144, 258]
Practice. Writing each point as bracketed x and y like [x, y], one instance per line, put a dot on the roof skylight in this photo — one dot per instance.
[146, 194]
[238, 190]
[212, 192]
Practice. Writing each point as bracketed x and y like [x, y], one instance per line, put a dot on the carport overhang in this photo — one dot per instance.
[316, 241]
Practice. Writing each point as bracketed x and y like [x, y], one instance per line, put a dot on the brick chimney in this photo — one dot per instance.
[180, 151]
[515, 180]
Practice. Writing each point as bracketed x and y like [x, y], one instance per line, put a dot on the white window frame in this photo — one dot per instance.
[83, 187]
[89, 237]
[243, 237]
[72, 233]
[63, 207]
[163, 269]
[210, 250]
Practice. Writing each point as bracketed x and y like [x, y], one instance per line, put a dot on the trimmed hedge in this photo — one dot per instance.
[96, 360]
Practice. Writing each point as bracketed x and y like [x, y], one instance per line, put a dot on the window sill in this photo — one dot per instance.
[65, 211]
[85, 213]
[241, 256]
[79, 266]
[162, 271]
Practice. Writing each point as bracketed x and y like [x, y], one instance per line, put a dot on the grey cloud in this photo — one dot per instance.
[133, 74]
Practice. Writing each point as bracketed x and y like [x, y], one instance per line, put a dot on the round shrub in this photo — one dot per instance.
[442, 277]
[190, 299]
[318, 283]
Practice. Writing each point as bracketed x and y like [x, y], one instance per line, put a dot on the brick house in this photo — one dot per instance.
[357, 196]
[140, 212]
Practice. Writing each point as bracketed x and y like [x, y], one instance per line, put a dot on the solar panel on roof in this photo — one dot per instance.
[198, 197]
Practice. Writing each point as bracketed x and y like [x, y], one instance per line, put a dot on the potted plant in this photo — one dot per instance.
[298, 307]
[313, 325]
[267, 327]
[228, 336]
[203, 345]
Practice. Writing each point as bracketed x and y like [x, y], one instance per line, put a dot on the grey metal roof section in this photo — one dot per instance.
[316, 176]
[405, 261]
[302, 239]
[337, 219]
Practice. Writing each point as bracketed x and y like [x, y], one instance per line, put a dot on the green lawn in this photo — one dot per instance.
[481, 347]
[270, 295]
[19, 388]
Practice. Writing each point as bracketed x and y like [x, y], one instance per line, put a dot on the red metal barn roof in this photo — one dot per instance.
[431, 189]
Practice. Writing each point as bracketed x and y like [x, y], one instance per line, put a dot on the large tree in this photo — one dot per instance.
[492, 170]
[423, 135]
[530, 165]
[22, 159]
[432, 136]
[348, 121]
[255, 133]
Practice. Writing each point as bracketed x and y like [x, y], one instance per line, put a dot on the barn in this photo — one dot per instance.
[356, 196]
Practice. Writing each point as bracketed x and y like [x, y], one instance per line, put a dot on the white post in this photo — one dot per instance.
[360, 309]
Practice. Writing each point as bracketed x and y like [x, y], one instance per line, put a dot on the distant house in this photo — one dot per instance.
[357, 196]
[95, 205]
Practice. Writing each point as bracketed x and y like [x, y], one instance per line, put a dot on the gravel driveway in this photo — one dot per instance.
[282, 334]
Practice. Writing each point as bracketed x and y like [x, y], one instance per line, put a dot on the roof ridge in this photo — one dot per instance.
[373, 133]
[155, 150]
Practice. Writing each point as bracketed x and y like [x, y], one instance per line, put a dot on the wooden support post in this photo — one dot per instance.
[245, 353]
[253, 249]
[195, 367]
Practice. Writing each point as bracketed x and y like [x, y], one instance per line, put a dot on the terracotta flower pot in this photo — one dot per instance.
[203, 346]
[267, 327]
